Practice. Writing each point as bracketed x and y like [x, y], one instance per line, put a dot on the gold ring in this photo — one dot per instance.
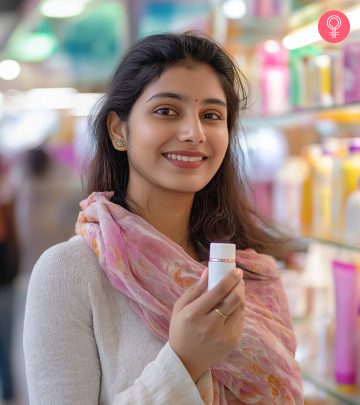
[217, 310]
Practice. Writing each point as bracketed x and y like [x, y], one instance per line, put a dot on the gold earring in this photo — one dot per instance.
[120, 143]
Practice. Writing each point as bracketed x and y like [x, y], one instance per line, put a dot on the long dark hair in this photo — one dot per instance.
[221, 210]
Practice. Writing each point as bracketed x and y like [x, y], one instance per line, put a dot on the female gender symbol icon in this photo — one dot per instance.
[334, 33]
[337, 22]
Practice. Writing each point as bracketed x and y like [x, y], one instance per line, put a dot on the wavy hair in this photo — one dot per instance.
[221, 211]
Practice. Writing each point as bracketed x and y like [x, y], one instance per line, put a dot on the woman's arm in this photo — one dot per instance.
[61, 358]
[61, 354]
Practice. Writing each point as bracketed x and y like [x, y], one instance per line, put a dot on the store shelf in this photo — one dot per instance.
[311, 12]
[344, 113]
[327, 384]
[305, 239]
[316, 361]
[252, 29]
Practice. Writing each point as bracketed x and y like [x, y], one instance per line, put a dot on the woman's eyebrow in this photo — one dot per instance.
[168, 94]
[180, 97]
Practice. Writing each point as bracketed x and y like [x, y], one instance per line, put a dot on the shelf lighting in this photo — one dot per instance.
[305, 36]
[9, 69]
[234, 9]
[62, 8]
[354, 18]
[32, 47]
[271, 46]
[310, 34]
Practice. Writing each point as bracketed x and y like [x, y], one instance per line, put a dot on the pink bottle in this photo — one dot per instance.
[345, 332]
[274, 77]
[351, 72]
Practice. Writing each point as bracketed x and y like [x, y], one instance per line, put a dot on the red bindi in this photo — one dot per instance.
[196, 100]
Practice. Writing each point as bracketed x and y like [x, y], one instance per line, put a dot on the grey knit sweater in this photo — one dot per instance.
[83, 343]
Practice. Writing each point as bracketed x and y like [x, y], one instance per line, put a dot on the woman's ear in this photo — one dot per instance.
[117, 131]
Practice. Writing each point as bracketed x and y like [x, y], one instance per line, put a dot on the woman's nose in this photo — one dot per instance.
[192, 130]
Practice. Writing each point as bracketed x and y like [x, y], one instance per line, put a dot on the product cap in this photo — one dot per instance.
[222, 251]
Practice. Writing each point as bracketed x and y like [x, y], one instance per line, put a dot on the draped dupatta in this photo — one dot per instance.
[153, 272]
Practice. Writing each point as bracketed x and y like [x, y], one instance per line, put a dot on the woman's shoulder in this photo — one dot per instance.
[67, 264]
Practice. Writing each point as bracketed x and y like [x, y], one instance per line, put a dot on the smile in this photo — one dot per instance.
[183, 158]
[185, 162]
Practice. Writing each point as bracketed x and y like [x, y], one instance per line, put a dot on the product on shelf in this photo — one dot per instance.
[337, 76]
[274, 77]
[287, 193]
[350, 175]
[321, 194]
[324, 77]
[345, 330]
[268, 8]
[352, 217]
[352, 72]
[309, 153]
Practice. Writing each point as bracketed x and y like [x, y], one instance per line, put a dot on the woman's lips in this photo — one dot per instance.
[184, 164]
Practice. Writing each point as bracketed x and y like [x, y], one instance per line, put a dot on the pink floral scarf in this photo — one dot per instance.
[153, 272]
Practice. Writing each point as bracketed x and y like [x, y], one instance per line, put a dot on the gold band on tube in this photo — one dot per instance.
[222, 260]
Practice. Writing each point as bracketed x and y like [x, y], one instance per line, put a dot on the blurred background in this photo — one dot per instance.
[301, 138]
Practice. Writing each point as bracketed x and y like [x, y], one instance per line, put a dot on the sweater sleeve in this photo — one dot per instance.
[61, 358]
[61, 354]
[166, 381]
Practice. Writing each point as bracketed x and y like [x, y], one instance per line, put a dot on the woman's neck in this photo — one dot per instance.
[169, 213]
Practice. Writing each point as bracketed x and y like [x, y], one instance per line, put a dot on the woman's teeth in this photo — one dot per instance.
[183, 158]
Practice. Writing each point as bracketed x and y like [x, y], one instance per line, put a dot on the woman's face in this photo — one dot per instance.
[183, 113]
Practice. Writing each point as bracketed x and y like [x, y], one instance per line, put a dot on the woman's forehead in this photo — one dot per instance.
[188, 78]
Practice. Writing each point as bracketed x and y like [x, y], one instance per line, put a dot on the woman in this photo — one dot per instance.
[119, 314]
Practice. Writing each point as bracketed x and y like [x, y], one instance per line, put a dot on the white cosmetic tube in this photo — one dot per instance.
[221, 262]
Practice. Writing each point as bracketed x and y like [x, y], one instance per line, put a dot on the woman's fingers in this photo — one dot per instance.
[234, 301]
[196, 334]
[211, 299]
[234, 326]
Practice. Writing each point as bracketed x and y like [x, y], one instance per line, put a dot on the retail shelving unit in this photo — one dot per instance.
[344, 114]
[245, 35]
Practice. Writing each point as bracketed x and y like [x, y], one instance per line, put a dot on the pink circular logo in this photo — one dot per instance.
[334, 26]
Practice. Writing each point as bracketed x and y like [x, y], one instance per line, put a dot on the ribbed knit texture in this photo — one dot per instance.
[84, 345]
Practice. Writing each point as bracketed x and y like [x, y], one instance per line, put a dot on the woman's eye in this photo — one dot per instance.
[212, 116]
[165, 111]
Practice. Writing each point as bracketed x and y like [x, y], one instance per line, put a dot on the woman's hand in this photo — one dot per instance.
[199, 335]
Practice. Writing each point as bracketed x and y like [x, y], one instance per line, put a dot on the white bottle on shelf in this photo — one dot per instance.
[288, 193]
[352, 218]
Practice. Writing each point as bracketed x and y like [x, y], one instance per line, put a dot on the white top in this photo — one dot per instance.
[84, 344]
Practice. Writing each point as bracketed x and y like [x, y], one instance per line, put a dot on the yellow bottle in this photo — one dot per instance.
[310, 153]
[321, 195]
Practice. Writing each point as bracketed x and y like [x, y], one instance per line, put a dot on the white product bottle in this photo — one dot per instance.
[288, 193]
[352, 218]
[221, 262]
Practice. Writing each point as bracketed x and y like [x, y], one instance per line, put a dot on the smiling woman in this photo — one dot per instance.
[120, 313]
[165, 122]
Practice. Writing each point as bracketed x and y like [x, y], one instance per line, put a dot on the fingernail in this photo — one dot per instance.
[239, 272]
